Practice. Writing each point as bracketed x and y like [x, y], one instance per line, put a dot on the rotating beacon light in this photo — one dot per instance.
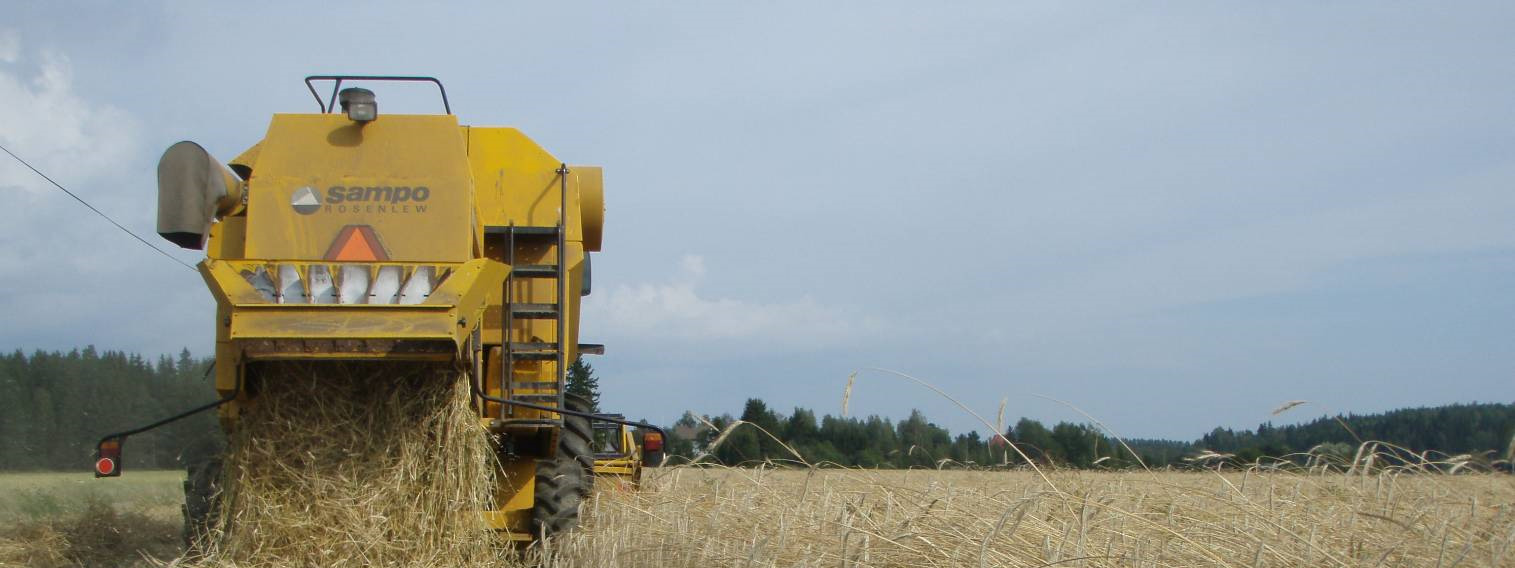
[359, 104]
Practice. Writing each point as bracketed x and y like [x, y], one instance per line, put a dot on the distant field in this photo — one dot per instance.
[35, 496]
[72, 519]
[718, 517]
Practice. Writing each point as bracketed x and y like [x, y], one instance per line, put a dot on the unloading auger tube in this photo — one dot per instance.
[347, 237]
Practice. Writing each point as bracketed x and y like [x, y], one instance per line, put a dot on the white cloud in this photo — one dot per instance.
[679, 311]
[58, 130]
[78, 142]
[76, 279]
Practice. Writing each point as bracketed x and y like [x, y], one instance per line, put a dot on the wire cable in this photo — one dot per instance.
[97, 211]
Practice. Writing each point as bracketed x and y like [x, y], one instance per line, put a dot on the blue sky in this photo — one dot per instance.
[1172, 218]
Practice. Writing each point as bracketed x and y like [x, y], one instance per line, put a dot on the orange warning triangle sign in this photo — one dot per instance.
[357, 243]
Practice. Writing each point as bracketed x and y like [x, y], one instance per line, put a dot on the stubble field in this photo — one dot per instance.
[827, 517]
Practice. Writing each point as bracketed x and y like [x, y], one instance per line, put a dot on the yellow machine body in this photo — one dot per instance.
[617, 458]
[480, 232]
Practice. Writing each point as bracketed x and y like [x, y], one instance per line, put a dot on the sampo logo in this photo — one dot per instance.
[376, 194]
[308, 200]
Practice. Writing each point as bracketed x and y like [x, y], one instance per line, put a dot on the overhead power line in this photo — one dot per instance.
[97, 211]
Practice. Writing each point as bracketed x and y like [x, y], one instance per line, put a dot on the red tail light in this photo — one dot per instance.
[108, 458]
[652, 442]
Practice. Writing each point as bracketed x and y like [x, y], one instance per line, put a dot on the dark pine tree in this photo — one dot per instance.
[582, 382]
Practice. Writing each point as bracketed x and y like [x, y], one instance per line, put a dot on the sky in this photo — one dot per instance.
[1167, 218]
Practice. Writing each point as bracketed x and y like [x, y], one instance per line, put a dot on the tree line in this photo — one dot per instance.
[54, 406]
[764, 435]
[1484, 431]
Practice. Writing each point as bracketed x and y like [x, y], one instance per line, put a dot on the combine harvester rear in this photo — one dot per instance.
[348, 237]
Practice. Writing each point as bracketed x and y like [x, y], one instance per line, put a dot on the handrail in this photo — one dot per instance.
[562, 284]
[330, 106]
[473, 383]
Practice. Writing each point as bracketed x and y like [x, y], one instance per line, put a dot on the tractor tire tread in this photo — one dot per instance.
[202, 494]
[564, 481]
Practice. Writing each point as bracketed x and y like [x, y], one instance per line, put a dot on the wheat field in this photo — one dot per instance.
[856, 518]
[707, 516]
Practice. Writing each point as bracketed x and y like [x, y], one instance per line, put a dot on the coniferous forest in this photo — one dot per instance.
[54, 406]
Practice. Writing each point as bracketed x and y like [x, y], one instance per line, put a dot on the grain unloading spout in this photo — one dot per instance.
[193, 190]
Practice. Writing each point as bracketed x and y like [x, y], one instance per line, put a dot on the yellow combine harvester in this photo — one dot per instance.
[400, 239]
[618, 455]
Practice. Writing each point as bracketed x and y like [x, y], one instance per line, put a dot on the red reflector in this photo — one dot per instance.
[108, 458]
[652, 442]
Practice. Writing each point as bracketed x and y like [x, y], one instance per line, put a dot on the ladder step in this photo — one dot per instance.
[533, 385]
[533, 346]
[535, 271]
[537, 231]
[534, 355]
[534, 311]
[502, 424]
[529, 347]
[521, 231]
[536, 397]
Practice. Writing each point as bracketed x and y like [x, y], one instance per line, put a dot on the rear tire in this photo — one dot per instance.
[202, 504]
[564, 481]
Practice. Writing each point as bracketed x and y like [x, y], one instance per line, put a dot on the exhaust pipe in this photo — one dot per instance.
[193, 190]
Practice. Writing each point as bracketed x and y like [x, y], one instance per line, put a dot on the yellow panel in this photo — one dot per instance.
[517, 181]
[328, 322]
[404, 175]
[516, 495]
[247, 160]
[228, 238]
[518, 485]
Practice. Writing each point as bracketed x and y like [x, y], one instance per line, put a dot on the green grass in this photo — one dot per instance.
[67, 520]
[41, 496]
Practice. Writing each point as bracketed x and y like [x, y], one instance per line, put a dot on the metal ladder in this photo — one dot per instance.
[542, 392]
